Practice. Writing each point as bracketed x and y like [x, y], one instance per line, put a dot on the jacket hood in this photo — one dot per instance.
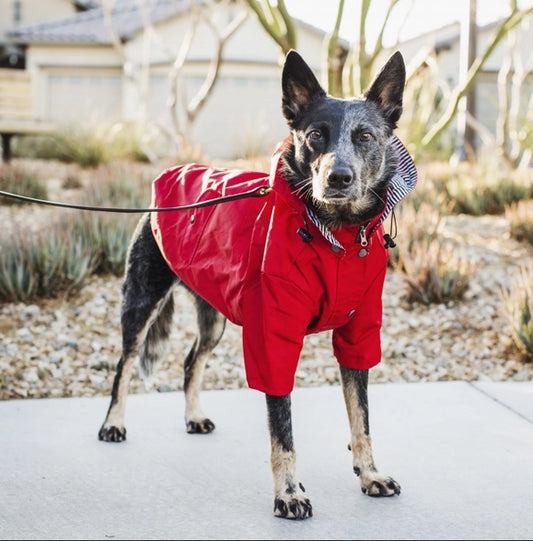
[404, 180]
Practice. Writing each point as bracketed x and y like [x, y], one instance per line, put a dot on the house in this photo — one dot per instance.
[85, 74]
[17, 13]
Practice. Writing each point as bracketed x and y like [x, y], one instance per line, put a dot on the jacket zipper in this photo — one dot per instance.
[363, 241]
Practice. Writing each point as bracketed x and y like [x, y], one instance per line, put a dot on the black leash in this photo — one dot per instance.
[260, 191]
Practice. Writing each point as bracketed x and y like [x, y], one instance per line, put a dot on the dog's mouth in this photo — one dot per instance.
[335, 196]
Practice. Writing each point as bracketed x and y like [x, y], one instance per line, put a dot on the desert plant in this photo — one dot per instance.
[475, 198]
[68, 145]
[518, 308]
[89, 146]
[476, 191]
[120, 185]
[18, 179]
[107, 236]
[116, 185]
[18, 276]
[72, 182]
[59, 258]
[74, 259]
[520, 218]
[434, 272]
[419, 222]
[44, 265]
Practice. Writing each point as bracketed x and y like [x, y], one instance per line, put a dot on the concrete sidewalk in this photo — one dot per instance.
[463, 454]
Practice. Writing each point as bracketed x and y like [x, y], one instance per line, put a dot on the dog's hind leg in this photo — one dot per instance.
[355, 389]
[211, 324]
[147, 308]
[290, 500]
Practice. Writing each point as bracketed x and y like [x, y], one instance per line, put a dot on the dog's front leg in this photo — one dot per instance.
[289, 494]
[355, 389]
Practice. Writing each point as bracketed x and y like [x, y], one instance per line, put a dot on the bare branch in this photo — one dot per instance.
[209, 83]
[176, 81]
[332, 63]
[270, 18]
[506, 26]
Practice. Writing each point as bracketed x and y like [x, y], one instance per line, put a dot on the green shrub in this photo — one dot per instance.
[518, 308]
[476, 190]
[108, 236]
[19, 277]
[48, 264]
[58, 259]
[520, 218]
[418, 223]
[19, 180]
[88, 147]
[118, 184]
[124, 144]
[68, 145]
[470, 196]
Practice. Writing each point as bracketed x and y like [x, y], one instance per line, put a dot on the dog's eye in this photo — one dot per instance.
[364, 137]
[315, 134]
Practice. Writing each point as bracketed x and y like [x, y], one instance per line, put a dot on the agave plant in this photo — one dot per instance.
[520, 218]
[435, 272]
[518, 308]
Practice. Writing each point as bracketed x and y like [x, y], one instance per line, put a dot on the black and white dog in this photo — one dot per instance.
[310, 255]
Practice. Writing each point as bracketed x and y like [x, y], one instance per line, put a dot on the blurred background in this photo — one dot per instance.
[97, 96]
[182, 76]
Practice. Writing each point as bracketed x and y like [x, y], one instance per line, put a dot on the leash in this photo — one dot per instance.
[260, 191]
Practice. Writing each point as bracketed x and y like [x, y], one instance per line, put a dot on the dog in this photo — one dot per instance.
[309, 255]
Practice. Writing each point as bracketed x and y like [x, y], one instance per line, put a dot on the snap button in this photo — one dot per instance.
[335, 248]
[191, 219]
[363, 252]
[351, 313]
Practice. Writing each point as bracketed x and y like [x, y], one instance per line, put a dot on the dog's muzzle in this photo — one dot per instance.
[339, 184]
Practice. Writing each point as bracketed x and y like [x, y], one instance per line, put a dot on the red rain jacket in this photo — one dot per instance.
[248, 259]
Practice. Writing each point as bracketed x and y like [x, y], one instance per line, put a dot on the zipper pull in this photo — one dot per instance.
[362, 236]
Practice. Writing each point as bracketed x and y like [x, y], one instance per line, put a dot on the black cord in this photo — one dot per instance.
[260, 191]
[389, 237]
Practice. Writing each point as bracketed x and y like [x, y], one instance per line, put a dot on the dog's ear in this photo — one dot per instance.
[387, 89]
[300, 86]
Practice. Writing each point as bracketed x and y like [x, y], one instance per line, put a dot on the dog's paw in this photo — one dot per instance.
[205, 426]
[293, 506]
[112, 433]
[381, 486]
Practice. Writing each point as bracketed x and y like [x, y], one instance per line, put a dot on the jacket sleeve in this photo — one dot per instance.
[276, 314]
[358, 343]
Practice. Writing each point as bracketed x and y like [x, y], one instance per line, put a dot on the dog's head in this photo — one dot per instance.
[341, 161]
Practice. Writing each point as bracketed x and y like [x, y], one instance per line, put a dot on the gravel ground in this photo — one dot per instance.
[69, 347]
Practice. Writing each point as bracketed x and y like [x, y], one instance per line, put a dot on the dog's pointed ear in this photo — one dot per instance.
[387, 88]
[299, 85]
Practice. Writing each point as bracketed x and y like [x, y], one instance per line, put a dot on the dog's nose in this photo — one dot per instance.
[340, 177]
